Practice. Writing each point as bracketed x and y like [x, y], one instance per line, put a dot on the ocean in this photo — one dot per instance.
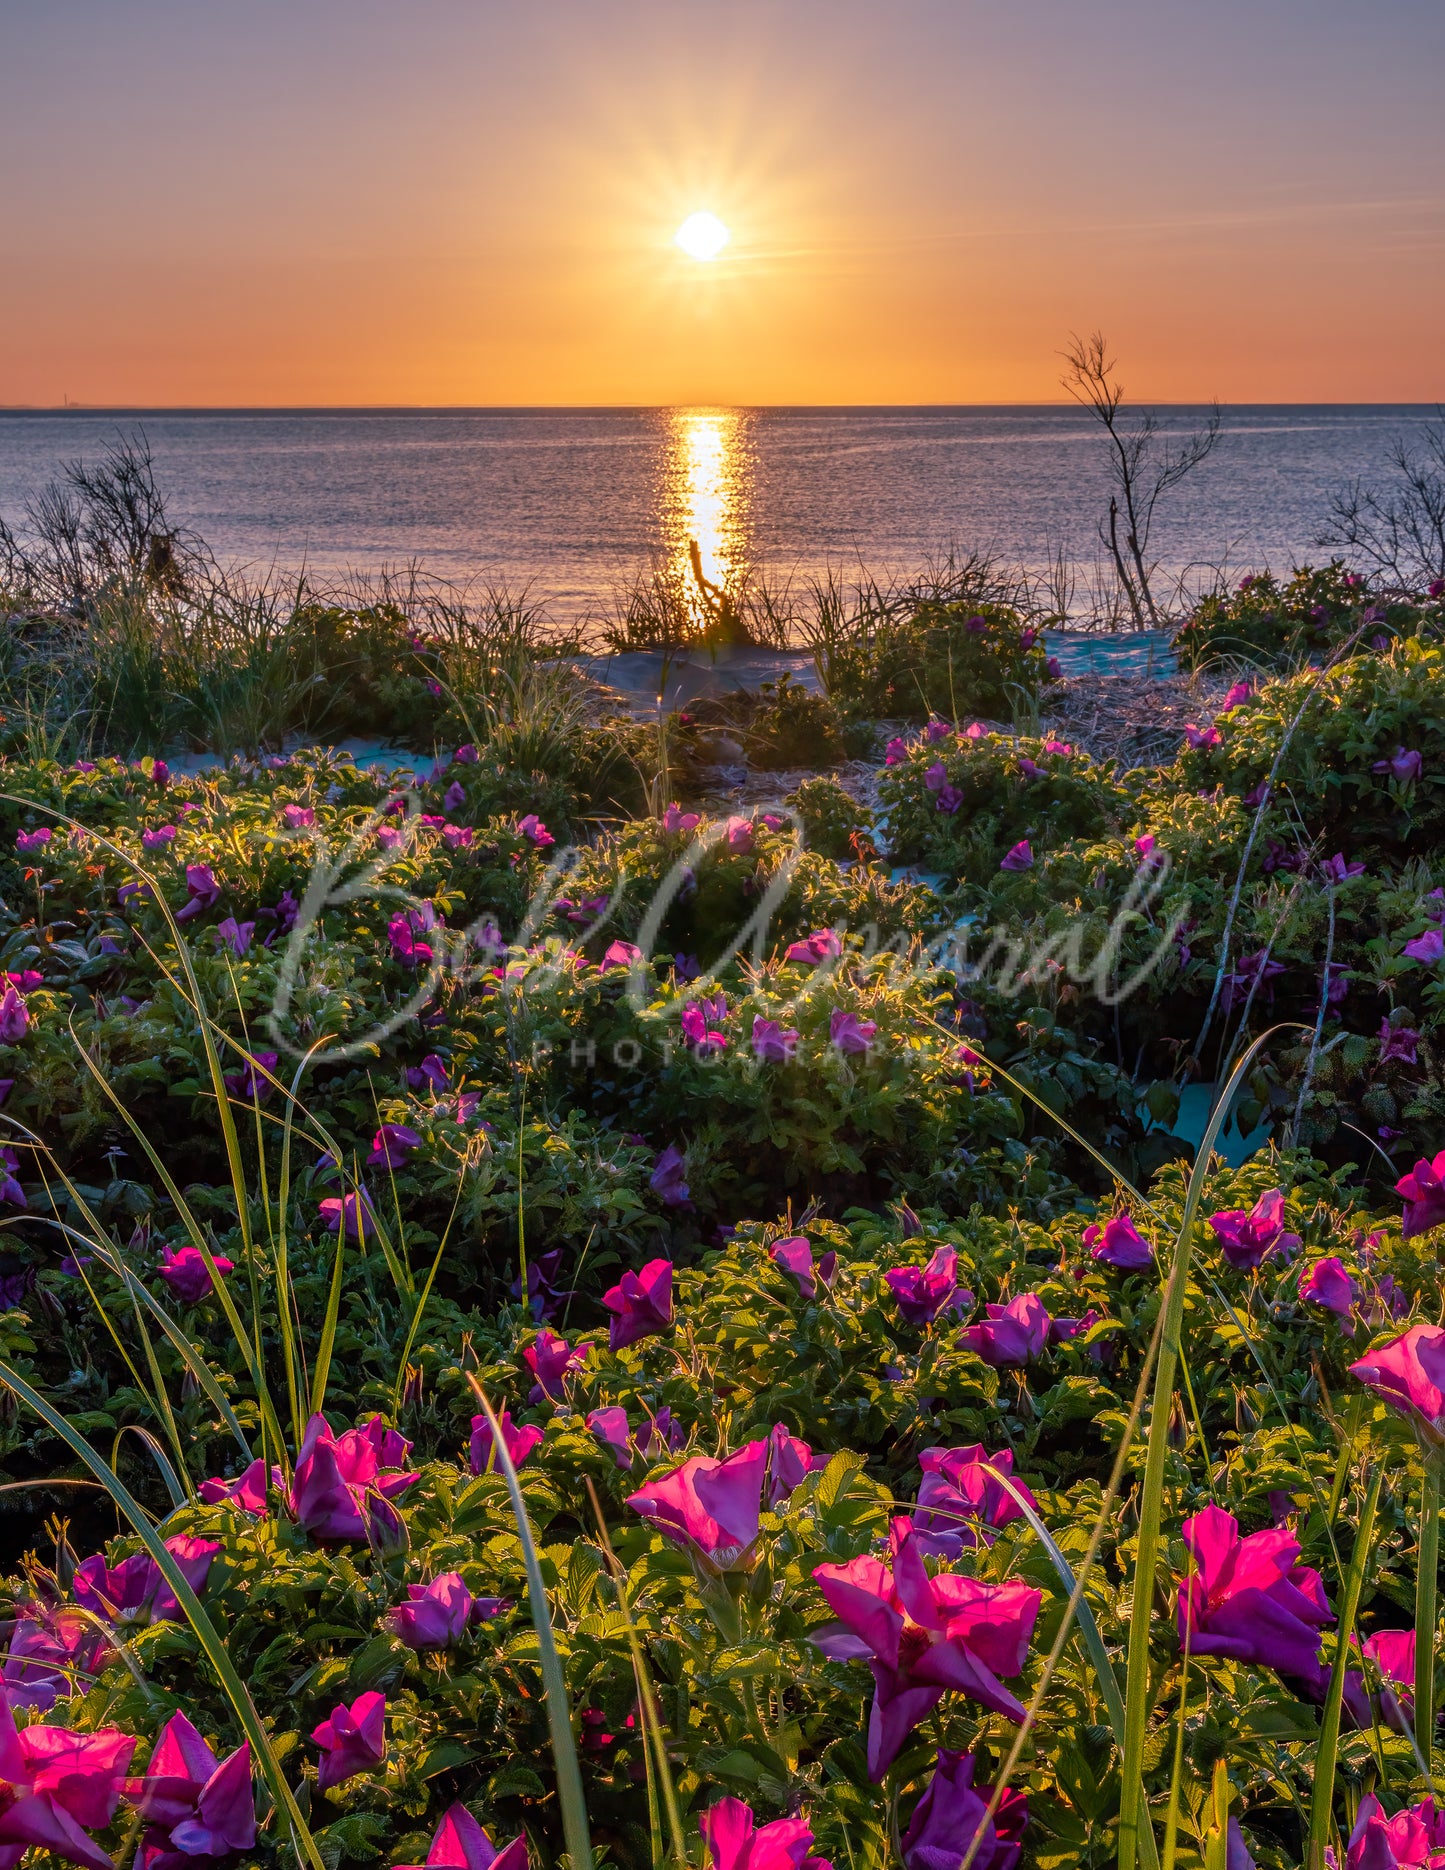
[571, 504]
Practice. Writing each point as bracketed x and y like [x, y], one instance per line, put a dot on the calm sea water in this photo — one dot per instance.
[571, 503]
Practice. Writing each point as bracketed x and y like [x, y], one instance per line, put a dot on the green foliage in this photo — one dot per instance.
[834, 823]
[946, 658]
[1316, 611]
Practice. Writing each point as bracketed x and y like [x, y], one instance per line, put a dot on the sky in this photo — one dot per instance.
[472, 202]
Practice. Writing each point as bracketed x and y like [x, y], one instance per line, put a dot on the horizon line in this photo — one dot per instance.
[605, 408]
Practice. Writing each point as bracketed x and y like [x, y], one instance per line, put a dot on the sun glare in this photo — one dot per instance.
[702, 235]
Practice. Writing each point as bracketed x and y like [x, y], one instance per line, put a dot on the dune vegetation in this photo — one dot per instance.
[544, 1321]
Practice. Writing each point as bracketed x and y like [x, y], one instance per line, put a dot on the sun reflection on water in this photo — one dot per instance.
[705, 496]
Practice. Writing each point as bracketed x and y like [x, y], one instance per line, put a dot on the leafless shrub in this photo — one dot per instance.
[95, 526]
[1143, 468]
[1396, 534]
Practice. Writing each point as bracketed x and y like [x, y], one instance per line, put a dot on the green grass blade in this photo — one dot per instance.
[559, 1715]
[1088, 1624]
[1136, 1699]
[197, 1366]
[196, 1233]
[652, 1729]
[206, 1632]
[1425, 1614]
[1327, 1752]
[328, 1328]
[179, 1494]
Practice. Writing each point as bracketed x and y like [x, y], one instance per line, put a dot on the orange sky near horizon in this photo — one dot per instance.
[349, 202]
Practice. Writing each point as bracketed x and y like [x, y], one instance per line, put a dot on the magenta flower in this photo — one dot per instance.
[1118, 1243]
[392, 1144]
[895, 752]
[1409, 1374]
[735, 1842]
[676, 819]
[460, 1843]
[790, 1460]
[1407, 1840]
[520, 1443]
[695, 1028]
[1201, 737]
[135, 1591]
[353, 1213]
[936, 778]
[247, 1491]
[1327, 1283]
[187, 1274]
[56, 1782]
[283, 914]
[794, 1256]
[1015, 1333]
[249, 1084]
[960, 1502]
[1249, 1598]
[949, 799]
[1429, 947]
[405, 932]
[10, 1189]
[1053, 668]
[773, 1043]
[1336, 870]
[1403, 767]
[614, 1431]
[921, 1637]
[1248, 1238]
[352, 1741]
[821, 945]
[205, 891]
[1020, 857]
[31, 843]
[1398, 1043]
[438, 1614]
[28, 979]
[431, 1071]
[923, 1292]
[298, 817]
[950, 1816]
[709, 1507]
[534, 831]
[848, 1033]
[668, 1180]
[234, 935]
[740, 835]
[337, 1476]
[49, 1654]
[1145, 846]
[1254, 971]
[14, 1017]
[1393, 1654]
[619, 954]
[551, 1360]
[664, 1430]
[641, 1304]
[1237, 696]
[455, 797]
[1423, 1191]
[198, 1809]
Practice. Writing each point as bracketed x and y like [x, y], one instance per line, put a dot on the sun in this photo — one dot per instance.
[702, 235]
